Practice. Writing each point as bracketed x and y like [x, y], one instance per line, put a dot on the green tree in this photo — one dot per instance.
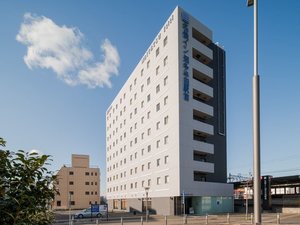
[26, 187]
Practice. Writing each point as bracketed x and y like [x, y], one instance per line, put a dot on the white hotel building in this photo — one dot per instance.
[166, 128]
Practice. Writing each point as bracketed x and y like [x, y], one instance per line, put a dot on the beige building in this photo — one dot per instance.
[79, 183]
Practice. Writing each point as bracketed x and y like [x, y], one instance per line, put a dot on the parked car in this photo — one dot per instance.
[86, 213]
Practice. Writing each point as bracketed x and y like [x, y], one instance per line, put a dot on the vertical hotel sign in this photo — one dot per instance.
[185, 55]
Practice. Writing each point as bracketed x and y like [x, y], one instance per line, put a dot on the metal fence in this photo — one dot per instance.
[268, 218]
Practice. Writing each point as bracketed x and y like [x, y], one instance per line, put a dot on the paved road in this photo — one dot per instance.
[129, 219]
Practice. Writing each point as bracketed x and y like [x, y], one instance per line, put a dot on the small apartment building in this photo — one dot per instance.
[166, 128]
[78, 183]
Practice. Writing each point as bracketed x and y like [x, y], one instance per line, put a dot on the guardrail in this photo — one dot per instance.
[267, 219]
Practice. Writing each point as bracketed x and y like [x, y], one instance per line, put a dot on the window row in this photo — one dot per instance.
[86, 183]
[86, 173]
[92, 193]
[165, 61]
[142, 121]
[143, 167]
[135, 155]
[134, 112]
[144, 183]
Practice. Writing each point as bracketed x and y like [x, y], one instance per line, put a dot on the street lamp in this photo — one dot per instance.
[256, 120]
[147, 213]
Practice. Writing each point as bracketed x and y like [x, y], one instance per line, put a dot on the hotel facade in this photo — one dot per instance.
[166, 128]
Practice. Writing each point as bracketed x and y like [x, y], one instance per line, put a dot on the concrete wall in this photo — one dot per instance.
[163, 206]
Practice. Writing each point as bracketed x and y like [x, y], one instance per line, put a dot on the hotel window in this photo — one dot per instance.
[167, 179]
[165, 41]
[142, 72]
[135, 81]
[135, 184]
[157, 107]
[131, 185]
[143, 183]
[148, 80]
[131, 101]
[87, 173]
[165, 80]
[87, 193]
[135, 126]
[157, 143]
[142, 135]
[149, 131]
[149, 165]
[158, 180]
[135, 111]
[166, 140]
[148, 64]
[130, 115]
[148, 98]
[124, 122]
[135, 96]
[149, 148]
[130, 129]
[143, 167]
[166, 120]
[131, 170]
[135, 140]
[142, 120]
[157, 162]
[148, 115]
[142, 104]
[124, 95]
[142, 88]
[166, 159]
[124, 109]
[72, 202]
[135, 170]
[130, 87]
[165, 60]
[142, 151]
[71, 173]
[157, 70]
[157, 52]
[157, 89]
[157, 125]
[149, 182]
[87, 183]
[166, 100]
[71, 192]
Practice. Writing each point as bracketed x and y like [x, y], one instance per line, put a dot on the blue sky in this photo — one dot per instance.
[58, 107]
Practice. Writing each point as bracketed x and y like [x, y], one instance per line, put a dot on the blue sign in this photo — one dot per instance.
[185, 59]
[95, 208]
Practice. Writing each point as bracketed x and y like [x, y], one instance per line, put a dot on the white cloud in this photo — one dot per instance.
[61, 49]
[90, 76]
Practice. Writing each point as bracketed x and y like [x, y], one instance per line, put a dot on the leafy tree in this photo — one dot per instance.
[26, 188]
